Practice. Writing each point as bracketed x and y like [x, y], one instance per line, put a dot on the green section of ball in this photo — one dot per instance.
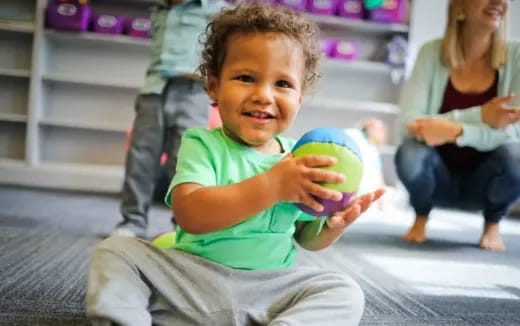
[348, 163]
[165, 241]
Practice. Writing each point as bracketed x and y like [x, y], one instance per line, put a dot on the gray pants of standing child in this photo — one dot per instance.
[160, 121]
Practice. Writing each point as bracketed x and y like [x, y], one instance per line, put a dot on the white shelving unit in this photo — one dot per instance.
[67, 98]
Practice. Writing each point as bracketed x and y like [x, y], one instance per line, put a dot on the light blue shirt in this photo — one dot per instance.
[424, 91]
[176, 48]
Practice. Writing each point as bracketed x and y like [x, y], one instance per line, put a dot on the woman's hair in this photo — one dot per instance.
[452, 55]
[258, 18]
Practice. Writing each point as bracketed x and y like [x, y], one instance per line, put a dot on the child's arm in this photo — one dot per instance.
[307, 234]
[200, 209]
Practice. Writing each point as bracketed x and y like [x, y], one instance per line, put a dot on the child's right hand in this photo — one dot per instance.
[296, 180]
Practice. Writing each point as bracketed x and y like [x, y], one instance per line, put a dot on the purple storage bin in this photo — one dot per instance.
[297, 5]
[138, 27]
[327, 47]
[323, 7]
[351, 9]
[267, 2]
[108, 24]
[346, 50]
[392, 11]
[68, 15]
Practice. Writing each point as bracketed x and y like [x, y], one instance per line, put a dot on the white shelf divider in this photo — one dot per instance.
[81, 124]
[361, 65]
[13, 117]
[85, 80]
[346, 105]
[16, 26]
[10, 72]
[358, 24]
[97, 37]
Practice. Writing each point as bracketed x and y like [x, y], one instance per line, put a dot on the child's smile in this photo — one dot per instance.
[259, 89]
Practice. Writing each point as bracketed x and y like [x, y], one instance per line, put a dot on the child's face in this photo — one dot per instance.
[259, 90]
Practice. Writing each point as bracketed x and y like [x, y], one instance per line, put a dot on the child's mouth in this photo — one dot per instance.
[259, 115]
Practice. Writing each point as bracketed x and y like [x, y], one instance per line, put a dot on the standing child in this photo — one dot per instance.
[232, 196]
[172, 100]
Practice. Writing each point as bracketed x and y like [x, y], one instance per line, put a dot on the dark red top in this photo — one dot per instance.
[463, 159]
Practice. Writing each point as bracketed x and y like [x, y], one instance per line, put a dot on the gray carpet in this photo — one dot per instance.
[46, 238]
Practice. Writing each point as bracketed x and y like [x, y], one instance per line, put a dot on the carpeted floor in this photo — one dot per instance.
[46, 238]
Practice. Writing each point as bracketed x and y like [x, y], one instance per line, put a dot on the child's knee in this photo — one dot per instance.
[354, 295]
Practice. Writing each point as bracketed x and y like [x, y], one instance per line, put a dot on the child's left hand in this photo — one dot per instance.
[358, 206]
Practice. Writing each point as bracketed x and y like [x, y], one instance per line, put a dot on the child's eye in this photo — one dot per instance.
[283, 83]
[245, 78]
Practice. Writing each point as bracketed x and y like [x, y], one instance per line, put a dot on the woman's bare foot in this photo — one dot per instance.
[491, 239]
[417, 232]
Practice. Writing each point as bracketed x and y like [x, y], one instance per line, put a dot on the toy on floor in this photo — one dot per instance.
[333, 142]
[165, 240]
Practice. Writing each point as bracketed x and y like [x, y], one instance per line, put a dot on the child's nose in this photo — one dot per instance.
[263, 94]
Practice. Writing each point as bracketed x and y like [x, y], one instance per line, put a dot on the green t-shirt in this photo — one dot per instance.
[263, 241]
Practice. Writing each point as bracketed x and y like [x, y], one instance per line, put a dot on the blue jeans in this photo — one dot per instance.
[493, 186]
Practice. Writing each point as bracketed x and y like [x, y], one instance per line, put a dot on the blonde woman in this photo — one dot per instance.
[461, 89]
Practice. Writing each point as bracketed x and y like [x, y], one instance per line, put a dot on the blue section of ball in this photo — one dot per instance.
[329, 135]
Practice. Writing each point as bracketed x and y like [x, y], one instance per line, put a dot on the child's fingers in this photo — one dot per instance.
[315, 161]
[325, 176]
[309, 201]
[320, 191]
[344, 218]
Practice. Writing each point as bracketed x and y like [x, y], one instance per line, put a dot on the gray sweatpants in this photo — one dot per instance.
[132, 282]
[159, 124]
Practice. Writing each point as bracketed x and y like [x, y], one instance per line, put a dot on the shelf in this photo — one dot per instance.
[349, 105]
[365, 66]
[16, 26]
[89, 125]
[22, 73]
[87, 177]
[359, 25]
[13, 117]
[72, 36]
[116, 83]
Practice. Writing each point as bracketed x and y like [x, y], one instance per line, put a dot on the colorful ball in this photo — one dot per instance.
[333, 142]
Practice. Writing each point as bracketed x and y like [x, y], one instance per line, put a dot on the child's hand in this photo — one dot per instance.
[296, 180]
[358, 206]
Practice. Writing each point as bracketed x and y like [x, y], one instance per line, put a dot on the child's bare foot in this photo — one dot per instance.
[417, 232]
[491, 239]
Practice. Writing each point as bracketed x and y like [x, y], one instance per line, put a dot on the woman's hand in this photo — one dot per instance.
[497, 114]
[435, 131]
[358, 206]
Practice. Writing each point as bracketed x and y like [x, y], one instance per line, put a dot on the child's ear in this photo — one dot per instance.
[212, 88]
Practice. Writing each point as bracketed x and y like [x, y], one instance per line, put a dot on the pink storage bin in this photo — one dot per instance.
[351, 9]
[392, 11]
[138, 27]
[346, 50]
[297, 5]
[68, 15]
[327, 47]
[108, 24]
[323, 7]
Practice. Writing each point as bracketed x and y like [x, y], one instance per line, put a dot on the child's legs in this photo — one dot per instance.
[495, 184]
[425, 176]
[297, 296]
[132, 282]
[142, 162]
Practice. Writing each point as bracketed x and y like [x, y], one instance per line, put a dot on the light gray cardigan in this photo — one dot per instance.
[424, 91]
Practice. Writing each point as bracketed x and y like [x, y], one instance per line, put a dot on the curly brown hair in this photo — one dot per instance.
[255, 18]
